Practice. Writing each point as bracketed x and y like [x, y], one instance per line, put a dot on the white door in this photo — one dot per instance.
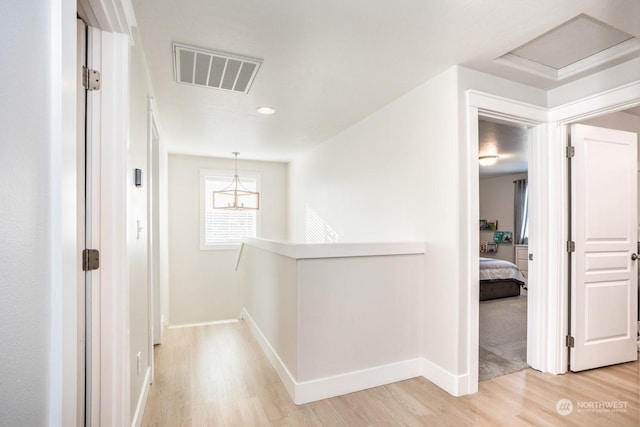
[604, 229]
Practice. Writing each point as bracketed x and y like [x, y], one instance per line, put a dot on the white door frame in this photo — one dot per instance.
[485, 105]
[93, 231]
[548, 308]
[600, 104]
[66, 333]
[153, 235]
[109, 158]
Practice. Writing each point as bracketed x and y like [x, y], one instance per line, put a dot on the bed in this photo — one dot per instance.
[499, 279]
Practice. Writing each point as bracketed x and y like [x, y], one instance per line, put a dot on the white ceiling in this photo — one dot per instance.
[509, 142]
[635, 111]
[328, 64]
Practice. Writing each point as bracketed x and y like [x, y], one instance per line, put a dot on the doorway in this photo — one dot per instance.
[603, 293]
[547, 303]
[503, 246]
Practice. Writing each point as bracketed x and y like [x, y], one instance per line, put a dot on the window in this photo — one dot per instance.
[521, 212]
[221, 228]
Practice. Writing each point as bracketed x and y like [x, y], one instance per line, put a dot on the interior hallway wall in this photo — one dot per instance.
[400, 174]
[202, 283]
[26, 214]
[137, 248]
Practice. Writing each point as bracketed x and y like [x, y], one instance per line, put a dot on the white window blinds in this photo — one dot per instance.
[223, 226]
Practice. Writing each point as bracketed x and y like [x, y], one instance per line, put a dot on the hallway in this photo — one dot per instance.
[218, 376]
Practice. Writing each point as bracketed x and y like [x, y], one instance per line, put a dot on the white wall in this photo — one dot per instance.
[202, 284]
[362, 183]
[496, 202]
[269, 285]
[164, 232]
[357, 313]
[402, 174]
[394, 177]
[25, 213]
[335, 318]
[139, 90]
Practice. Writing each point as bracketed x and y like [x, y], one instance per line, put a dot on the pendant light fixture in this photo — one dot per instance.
[236, 196]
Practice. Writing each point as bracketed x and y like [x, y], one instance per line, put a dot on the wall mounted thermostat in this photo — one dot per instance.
[138, 177]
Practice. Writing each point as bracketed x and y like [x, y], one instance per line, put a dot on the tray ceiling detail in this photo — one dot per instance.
[578, 45]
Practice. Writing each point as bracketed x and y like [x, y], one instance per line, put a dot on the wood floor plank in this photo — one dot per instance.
[218, 376]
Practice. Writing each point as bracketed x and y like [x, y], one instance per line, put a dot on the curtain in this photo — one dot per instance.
[521, 218]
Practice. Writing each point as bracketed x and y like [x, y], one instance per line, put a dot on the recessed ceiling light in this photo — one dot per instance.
[266, 110]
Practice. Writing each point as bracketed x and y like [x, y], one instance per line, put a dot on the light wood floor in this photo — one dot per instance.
[218, 376]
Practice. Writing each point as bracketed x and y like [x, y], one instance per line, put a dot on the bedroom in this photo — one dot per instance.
[503, 295]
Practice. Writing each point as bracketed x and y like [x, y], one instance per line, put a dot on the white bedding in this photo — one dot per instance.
[497, 269]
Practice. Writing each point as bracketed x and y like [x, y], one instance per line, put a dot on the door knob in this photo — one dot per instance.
[634, 257]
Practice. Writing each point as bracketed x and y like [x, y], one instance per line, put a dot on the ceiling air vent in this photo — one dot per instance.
[199, 67]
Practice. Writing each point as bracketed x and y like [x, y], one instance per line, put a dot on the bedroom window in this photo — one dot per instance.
[521, 212]
[221, 228]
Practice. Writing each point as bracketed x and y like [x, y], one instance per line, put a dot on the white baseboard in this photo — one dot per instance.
[455, 385]
[283, 373]
[215, 322]
[324, 388]
[142, 400]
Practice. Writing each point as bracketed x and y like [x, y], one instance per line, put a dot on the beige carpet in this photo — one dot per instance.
[503, 336]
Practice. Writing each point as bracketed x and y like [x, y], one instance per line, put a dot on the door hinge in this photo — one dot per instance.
[570, 342]
[90, 79]
[571, 151]
[571, 246]
[90, 259]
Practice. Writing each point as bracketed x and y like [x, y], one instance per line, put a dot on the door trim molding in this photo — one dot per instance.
[607, 102]
[115, 16]
[115, 405]
[65, 399]
[153, 235]
[546, 340]
[487, 105]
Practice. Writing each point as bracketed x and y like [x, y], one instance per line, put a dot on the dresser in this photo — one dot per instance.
[522, 259]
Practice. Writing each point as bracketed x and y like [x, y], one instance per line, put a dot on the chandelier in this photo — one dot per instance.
[236, 196]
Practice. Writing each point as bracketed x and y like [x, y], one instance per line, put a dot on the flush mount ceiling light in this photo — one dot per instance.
[235, 196]
[488, 160]
[265, 109]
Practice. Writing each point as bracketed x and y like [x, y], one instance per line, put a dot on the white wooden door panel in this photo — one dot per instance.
[603, 224]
